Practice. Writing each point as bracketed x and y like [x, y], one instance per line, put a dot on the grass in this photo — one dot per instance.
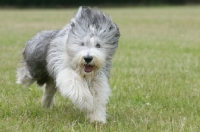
[155, 78]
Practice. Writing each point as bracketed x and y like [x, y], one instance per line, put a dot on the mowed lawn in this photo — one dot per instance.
[155, 79]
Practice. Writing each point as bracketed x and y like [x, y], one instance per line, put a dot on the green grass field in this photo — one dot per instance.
[155, 78]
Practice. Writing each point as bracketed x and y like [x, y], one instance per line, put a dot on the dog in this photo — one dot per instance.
[75, 60]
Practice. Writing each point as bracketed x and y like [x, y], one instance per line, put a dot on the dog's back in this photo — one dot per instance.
[34, 59]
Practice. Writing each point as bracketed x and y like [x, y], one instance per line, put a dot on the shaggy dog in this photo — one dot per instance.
[75, 60]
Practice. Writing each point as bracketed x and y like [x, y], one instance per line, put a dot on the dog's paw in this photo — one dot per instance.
[96, 118]
[47, 103]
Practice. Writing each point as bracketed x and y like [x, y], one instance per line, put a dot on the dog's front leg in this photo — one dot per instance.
[100, 91]
[71, 85]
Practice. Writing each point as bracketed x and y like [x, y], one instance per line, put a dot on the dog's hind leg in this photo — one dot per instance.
[24, 77]
[48, 96]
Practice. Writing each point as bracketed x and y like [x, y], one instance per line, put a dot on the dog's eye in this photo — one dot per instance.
[98, 45]
[111, 27]
[82, 44]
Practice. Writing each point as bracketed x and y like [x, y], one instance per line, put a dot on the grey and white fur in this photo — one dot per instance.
[75, 60]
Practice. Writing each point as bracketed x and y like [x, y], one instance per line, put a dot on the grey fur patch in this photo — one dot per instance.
[35, 53]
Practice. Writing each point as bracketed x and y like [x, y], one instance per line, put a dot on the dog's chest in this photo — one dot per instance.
[88, 80]
[90, 83]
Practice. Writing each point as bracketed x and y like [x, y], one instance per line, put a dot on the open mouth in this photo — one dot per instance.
[88, 68]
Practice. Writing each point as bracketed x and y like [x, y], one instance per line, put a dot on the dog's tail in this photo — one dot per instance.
[24, 77]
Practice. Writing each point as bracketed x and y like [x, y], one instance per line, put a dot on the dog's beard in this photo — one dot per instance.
[92, 67]
[84, 68]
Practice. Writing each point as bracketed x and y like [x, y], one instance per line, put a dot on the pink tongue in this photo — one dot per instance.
[88, 68]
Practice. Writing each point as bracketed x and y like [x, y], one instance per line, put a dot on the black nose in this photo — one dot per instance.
[88, 59]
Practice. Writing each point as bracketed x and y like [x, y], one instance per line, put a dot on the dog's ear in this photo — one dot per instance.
[78, 13]
[82, 12]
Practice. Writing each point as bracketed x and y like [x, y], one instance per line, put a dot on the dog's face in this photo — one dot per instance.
[92, 41]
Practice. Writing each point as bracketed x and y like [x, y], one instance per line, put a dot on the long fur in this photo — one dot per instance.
[56, 58]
